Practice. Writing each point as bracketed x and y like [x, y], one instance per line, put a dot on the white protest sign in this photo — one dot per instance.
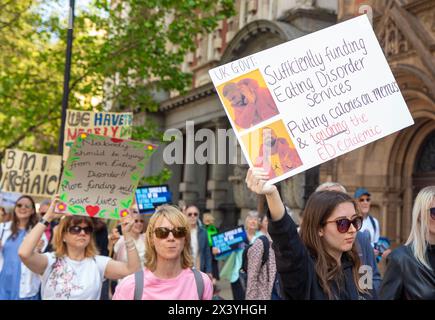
[109, 124]
[30, 173]
[304, 102]
[101, 175]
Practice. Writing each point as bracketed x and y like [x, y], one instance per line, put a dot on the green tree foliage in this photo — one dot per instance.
[122, 56]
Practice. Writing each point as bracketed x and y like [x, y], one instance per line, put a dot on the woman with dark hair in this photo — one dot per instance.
[17, 282]
[321, 263]
[75, 271]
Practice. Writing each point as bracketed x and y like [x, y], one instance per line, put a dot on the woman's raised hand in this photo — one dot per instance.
[256, 181]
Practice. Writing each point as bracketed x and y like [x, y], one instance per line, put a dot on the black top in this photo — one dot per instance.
[102, 241]
[296, 267]
[431, 255]
[406, 278]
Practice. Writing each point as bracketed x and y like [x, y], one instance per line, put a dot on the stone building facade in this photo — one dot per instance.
[393, 168]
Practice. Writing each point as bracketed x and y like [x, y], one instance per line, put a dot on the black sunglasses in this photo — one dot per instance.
[78, 230]
[343, 224]
[27, 206]
[364, 200]
[177, 232]
[195, 214]
[432, 213]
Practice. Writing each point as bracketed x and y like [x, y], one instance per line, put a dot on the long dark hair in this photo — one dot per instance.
[33, 219]
[319, 208]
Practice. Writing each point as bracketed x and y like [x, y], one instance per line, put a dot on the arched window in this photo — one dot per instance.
[424, 168]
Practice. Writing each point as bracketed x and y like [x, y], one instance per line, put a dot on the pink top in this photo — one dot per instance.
[182, 287]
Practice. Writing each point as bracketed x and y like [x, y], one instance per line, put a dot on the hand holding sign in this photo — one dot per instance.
[256, 181]
[51, 214]
[127, 223]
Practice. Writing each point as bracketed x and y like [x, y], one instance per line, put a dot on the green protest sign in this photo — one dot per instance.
[101, 175]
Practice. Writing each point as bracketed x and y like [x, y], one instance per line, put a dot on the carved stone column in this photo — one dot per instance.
[189, 186]
[218, 185]
[243, 197]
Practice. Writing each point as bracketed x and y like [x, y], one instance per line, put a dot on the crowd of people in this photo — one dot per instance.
[331, 253]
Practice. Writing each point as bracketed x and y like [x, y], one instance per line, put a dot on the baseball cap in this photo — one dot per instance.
[360, 192]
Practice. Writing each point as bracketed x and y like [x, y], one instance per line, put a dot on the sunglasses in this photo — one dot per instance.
[138, 221]
[343, 224]
[432, 213]
[78, 230]
[364, 200]
[163, 233]
[194, 214]
[27, 206]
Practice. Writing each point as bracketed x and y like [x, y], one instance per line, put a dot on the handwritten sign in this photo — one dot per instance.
[230, 240]
[109, 124]
[101, 175]
[307, 101]
[30, 173]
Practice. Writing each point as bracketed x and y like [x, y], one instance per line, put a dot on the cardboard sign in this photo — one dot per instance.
[307, 101]
[30, 173]
[109, 124]
[101, 176]
[230, 240]
[148, 198]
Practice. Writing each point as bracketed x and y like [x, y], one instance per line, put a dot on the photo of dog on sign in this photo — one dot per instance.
[248, 100]
[272, 148]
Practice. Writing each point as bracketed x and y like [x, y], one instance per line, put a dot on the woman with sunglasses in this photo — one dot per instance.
[74, 271]
[168, 273]
[322, 262]
[17, 282]
[410, 272]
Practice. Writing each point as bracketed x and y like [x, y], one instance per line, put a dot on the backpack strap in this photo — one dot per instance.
[138, 285]
[372, 220]
[199, 282]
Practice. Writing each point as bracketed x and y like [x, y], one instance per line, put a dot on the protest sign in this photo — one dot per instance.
[229, 240]
[8, 199]
[30, 173]
[148, 198]
[307, 101]
[101, 175]
[109, 124]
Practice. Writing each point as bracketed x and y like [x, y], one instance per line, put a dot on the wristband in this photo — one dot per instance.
[44, 222]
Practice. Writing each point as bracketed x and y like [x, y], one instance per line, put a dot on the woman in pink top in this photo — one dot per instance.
[167, 274]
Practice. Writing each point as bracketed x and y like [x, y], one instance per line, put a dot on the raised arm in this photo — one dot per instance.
[293, 262]
[256, 181]
[118, 269]
[27, 252]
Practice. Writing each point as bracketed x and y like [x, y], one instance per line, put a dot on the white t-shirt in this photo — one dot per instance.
[374, 234]
[194, 245]
[66, 279]
[29, 281]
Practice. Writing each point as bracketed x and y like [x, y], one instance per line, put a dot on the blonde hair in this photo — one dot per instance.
[418, 238]
[60, 246]
[208, 218]
[177, 219]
